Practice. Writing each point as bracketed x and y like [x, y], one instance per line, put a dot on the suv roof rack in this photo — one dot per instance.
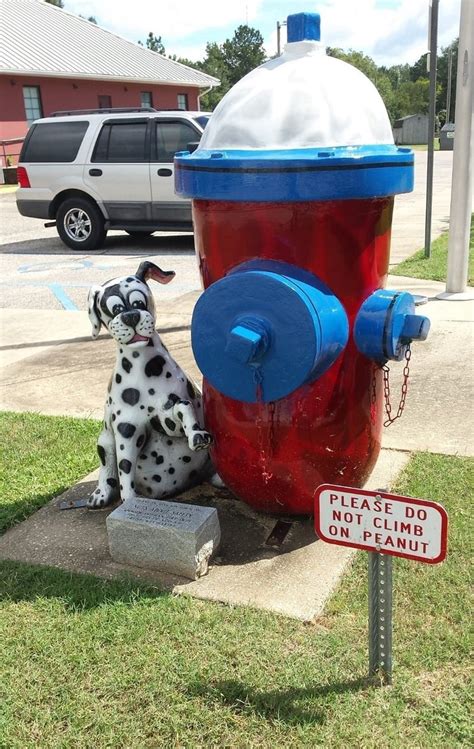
[105, 110]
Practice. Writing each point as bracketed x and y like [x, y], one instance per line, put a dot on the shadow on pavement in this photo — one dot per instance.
[120, 244]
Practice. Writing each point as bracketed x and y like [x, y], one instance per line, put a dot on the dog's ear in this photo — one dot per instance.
[148, 270]
[92, 309]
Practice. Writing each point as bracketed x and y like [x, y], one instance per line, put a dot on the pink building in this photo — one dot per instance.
[51, 60]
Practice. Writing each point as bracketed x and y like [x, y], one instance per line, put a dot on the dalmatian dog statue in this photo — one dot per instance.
[152, 443]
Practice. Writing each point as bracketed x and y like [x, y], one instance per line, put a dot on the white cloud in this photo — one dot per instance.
[172, 19]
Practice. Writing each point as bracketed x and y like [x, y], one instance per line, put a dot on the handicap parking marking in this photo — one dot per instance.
[62, 297]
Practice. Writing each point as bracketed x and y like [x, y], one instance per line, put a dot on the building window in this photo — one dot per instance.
[182, 101]
[32, 99]
[146, 99]
[105, 101]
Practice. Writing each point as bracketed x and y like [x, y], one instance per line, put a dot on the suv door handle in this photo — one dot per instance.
[164, 172]
[95, 172]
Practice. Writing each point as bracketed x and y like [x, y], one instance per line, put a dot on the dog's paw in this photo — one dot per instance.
[200, 441]
[99, 499]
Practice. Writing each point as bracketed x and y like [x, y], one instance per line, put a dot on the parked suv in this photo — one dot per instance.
[88, 172]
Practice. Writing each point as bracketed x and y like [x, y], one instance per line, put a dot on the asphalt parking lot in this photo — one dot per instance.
[40, 272]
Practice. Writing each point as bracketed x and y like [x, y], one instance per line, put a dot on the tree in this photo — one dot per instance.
[58, 3]
[442, 76]
[230, 61]
[154, 43]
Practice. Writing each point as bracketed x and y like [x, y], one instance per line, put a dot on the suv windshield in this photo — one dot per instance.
[202, 120]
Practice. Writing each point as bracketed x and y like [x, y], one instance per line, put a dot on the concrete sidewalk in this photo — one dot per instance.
[51, 365]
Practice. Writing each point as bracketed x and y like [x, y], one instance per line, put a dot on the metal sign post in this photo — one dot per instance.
[380, 617]
[385, 525]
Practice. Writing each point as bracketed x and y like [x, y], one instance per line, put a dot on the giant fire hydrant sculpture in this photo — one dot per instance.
[292, 190]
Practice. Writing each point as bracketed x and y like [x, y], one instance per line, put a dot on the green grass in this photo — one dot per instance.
[435, 267]
[98, 664]
[41, 457]
[424, 146]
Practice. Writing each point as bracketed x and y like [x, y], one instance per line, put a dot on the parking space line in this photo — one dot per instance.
[62, 297]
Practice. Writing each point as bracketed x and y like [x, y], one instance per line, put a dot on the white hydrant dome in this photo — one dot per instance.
[303, 99]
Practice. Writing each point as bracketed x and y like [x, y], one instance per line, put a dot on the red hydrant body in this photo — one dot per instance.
[273, 455]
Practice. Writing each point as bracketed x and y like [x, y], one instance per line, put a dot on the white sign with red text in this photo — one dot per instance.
[376, 521]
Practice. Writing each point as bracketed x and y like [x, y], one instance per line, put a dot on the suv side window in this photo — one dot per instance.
[121, 143]
[53, 142]
[173, 136]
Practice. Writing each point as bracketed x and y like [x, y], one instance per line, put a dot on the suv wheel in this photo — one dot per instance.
[80, 224]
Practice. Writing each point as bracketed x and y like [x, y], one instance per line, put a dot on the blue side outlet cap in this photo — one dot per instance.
[301, 26]
[386, 324]
[265, 330]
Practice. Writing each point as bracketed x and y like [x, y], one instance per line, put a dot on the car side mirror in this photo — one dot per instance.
[191, 147]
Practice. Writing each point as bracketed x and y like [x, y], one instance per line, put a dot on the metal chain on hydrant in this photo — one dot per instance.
[403, 395]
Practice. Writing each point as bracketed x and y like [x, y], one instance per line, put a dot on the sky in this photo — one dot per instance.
[390, 31]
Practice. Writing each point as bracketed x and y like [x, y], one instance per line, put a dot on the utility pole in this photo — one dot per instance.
[461, 189]
[279, 25]
[432, 60]
[450, 78]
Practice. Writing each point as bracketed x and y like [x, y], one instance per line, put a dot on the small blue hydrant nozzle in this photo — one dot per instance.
[301, 26]
[415, 328]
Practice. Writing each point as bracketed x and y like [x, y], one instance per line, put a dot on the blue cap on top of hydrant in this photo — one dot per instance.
[386, 324]
[301, 26]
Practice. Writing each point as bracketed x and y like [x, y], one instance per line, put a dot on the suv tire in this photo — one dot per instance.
[80, 224]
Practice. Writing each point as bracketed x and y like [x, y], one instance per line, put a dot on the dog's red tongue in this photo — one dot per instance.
[137, 337]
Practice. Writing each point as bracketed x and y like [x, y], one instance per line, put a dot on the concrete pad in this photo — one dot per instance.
[294, 579]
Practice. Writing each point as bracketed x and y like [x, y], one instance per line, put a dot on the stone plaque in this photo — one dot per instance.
[168, 536]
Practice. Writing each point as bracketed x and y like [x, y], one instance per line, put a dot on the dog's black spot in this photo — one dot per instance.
[190, 389]
[154, 454]
[150, 342]
[101, 452]
[118, 413]
[131, 396]
[186, 459]
[157, 478]
[169, 442]
[170, 424]
[122, 447]
[121, 350]
[140, 440]
[174, 483]
[132, 484]
[110, 401]
[168, 375]
[126, 364]
[143, 456]
[130, 280]
[135, 354]
[171, 470]
[196, 427]
[179, 415]
[156, 424]
[126, 429]
[121, 486]
[149, 489]
[159, 460]
[125, 466]
[185, 403]
[151, 391]
[118, 379]
[112, 482]
[142, 408]
[105, 426]
[154, 367]
[150, 409]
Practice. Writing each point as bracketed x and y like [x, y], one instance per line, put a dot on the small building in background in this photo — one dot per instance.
[446, 137]
[411, 130]
[53, 60]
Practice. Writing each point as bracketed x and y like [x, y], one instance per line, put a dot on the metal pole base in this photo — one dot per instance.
[380, 618]
[456, 296]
